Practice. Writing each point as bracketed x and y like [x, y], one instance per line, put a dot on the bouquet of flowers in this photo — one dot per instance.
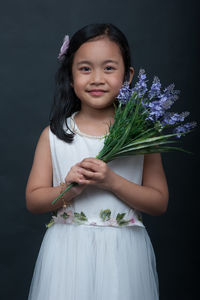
[141, 122]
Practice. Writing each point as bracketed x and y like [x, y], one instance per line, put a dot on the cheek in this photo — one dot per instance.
[79, 82]
[117, 83]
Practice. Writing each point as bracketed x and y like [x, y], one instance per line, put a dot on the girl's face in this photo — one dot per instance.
[98, 73]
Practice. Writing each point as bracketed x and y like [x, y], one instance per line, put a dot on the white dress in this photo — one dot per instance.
[98, 248]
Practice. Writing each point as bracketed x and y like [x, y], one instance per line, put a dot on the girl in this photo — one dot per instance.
[97, 246]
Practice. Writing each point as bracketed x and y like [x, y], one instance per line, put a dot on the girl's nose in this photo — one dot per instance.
[97, 77]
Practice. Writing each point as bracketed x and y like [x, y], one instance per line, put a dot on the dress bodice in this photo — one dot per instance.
[93, 206]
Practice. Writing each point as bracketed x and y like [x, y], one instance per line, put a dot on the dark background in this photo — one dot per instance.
[163, 40]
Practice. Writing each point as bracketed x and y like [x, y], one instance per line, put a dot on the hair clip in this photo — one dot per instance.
[64, 47]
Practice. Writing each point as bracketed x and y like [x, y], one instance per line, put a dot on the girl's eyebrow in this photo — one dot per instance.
[105, 62]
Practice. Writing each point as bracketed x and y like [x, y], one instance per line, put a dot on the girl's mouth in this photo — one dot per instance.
[96, 92]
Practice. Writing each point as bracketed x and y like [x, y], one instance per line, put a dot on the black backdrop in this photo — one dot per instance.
[163, 40]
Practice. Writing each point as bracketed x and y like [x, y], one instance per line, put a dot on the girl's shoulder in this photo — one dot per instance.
[45, 132]
[46, 129]
[44, 136]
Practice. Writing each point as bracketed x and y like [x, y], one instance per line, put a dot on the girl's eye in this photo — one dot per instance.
[109, 68]
[85, 69]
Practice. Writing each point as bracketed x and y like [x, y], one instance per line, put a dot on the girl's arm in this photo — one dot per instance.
[152, 196]
[39, 190]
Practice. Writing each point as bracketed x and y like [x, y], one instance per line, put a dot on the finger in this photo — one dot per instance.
[93, 160]
[86, 181]
[88, 174]
[90, 165]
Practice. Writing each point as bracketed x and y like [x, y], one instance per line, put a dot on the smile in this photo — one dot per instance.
[96, 92]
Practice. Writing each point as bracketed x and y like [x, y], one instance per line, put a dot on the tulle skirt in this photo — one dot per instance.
[82, 262]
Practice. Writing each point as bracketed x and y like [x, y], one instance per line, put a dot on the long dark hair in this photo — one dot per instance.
[65, 100]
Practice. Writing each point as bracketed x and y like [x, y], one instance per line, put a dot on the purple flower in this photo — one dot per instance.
[141, 86]
[184, 128]
[64, 47]
[155, 88]
[157, 108]
[171, 118]
[132, 220]
[125, 93]
[169, 96]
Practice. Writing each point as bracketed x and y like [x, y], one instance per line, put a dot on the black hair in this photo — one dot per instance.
[65, 100]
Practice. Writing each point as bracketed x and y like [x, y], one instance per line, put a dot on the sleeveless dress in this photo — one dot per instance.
[97, 248]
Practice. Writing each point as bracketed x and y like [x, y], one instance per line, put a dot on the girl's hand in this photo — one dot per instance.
[97, 173]
[74, 175]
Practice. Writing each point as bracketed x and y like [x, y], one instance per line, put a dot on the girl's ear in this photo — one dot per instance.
[131, 74]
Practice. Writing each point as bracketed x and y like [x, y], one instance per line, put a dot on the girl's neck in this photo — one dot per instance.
[95, 116]
[94, 121]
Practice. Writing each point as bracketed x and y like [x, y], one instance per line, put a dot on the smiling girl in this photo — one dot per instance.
[96, 246]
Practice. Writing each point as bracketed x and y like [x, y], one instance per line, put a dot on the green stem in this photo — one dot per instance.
[121, 141]
[67, 189]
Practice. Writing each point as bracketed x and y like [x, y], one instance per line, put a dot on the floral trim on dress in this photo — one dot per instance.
[68, 216]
